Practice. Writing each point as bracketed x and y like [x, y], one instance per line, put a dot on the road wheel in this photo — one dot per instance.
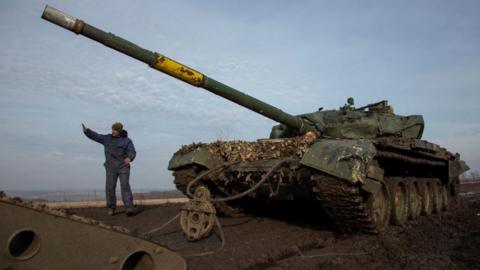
[379, 205]
[414, 200]
[184, 175]
[445, 197]
[426, 196]
[399, 201]
[435, 188]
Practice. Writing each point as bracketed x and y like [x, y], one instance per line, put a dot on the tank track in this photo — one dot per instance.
[347, 205]
[344, 204]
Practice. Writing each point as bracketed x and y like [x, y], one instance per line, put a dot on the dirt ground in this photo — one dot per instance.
[290, 239]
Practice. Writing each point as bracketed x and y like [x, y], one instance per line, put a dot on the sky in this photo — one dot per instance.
[422, 56]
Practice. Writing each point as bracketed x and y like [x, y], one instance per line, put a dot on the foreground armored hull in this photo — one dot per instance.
[367, 167]
[36, 237]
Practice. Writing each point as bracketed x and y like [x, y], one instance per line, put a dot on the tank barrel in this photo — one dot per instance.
[173, 68]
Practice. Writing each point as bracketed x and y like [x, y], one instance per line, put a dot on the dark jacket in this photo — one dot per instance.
[116, 148]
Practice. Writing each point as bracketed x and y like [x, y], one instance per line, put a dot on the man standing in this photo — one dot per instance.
[119, 152]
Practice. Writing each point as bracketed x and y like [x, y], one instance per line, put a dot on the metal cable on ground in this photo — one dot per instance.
[222, 237]
[219, 226]
[220, 231]
[163, 226]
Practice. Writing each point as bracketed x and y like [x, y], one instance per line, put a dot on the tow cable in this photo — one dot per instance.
[198, 215]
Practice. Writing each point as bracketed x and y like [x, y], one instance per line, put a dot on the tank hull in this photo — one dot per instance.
[362, 185]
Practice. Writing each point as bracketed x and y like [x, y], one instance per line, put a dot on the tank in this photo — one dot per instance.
[364, 167]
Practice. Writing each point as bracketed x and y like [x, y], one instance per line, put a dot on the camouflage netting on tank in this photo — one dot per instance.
[249, 151]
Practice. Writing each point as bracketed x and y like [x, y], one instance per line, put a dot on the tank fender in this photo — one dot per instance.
[456, 167]
[372, 186]
[346, 159]
[200, 156]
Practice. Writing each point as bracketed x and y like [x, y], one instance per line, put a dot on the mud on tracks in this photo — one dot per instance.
[286, 239]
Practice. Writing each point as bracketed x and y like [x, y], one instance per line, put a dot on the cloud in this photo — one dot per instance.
[423, 57]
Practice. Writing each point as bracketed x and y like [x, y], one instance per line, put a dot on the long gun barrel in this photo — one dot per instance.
[173, 68]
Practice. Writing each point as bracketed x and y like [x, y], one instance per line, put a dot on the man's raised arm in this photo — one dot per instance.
[92, 135]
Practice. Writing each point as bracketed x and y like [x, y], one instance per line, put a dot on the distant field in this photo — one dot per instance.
[80, 199]
[470, 188]
[95, 198]
[90, 195]
[84, 204]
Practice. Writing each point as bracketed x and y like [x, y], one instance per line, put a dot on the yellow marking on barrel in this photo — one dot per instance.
[178, 70]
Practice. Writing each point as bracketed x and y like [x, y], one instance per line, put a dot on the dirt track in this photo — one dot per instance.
[287, 240]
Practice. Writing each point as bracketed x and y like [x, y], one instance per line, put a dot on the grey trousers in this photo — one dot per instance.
[111, 184]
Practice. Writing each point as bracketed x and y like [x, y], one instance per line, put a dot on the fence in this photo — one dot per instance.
[96, 198]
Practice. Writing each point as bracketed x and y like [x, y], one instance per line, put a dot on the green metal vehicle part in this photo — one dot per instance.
[36, 237]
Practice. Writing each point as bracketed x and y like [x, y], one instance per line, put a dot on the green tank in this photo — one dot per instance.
[364, 167]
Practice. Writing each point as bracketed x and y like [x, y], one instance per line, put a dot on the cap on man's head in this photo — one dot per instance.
[117, 126]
